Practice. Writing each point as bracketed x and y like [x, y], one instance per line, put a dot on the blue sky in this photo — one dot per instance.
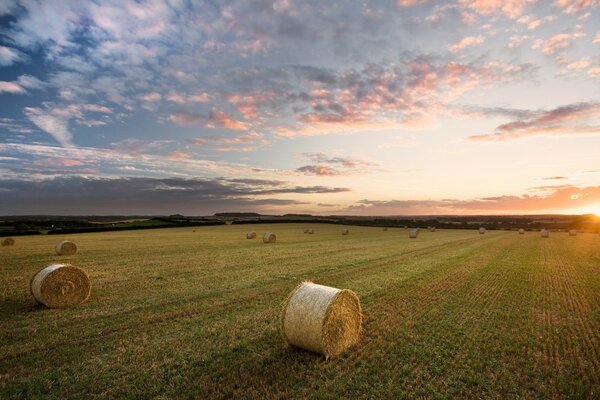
[376, 107]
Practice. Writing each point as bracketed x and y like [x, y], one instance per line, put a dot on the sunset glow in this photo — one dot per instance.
[359, 108]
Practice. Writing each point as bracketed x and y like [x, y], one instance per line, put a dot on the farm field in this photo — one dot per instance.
[182, 314]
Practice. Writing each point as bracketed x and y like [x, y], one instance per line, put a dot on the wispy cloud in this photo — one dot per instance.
[509, 8]
[469, 41]
[10, 56]
[575, 6]
[573, 119]
[241, 143]
[79, 195]
[323, 165]
[556, 43]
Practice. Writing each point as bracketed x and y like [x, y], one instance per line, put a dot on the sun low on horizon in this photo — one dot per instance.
[412, 107]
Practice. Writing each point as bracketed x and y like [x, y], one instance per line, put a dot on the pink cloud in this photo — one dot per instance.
[152, 96]
[320, 170]
[408, 3]
[469, 41]
[578, 65]
[510, 8]
[575, 6]
[226, 121]
[594, 72]
[411, 95]
[175, 98]
[245, 105]
[556, 43]
[11, 87]
[179, 155]
[201, 97]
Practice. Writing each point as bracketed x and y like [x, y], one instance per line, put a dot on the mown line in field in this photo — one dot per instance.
[567, 328]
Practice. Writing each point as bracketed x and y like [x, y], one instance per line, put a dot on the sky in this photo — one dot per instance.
[407, 107]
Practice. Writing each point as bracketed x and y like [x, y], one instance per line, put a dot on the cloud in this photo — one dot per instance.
[31, 82]
[11, 87]
[21, 85]
[215, 119]
[551, 178]
[242, 143]
[178, 154]
[596, 38]
[14, 126]
[516, 41]
[409, 95]
[575, 6]
[509, 8]
[320, 170]
[186, 119]
[151, 96]
[146, 158]
[52, 121]
[80, 195]
[224, 120]
[469, 41]
[594, 72]
[324, 165]
[10, 56]
[138, 146]
[578, 65]
[556, 43]
[572, 119]
[565, 198]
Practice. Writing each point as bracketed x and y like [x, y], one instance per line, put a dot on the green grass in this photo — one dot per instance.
[178, 314]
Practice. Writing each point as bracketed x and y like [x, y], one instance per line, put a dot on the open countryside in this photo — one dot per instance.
[181, 314]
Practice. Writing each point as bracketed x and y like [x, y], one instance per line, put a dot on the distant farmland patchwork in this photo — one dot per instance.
[181, 314]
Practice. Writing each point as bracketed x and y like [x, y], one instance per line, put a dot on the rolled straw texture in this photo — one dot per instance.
[61, 285]
[321, 319]
[66, 248]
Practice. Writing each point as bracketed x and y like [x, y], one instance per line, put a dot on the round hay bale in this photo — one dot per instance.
[413, 233]
[481, 230]
[250, 235]
[61, 285]
[345, 231]
[305, 230]
[544, 233]
[269, 237]
[8, 241]
[573, 232]
[311, 231]
[66, 248]
[432, 229]
[521, 231]
[321, 319]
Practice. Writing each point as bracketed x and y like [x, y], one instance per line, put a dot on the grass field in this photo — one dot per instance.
[182, 314]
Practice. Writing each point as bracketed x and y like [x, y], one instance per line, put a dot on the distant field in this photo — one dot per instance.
[182, 314]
